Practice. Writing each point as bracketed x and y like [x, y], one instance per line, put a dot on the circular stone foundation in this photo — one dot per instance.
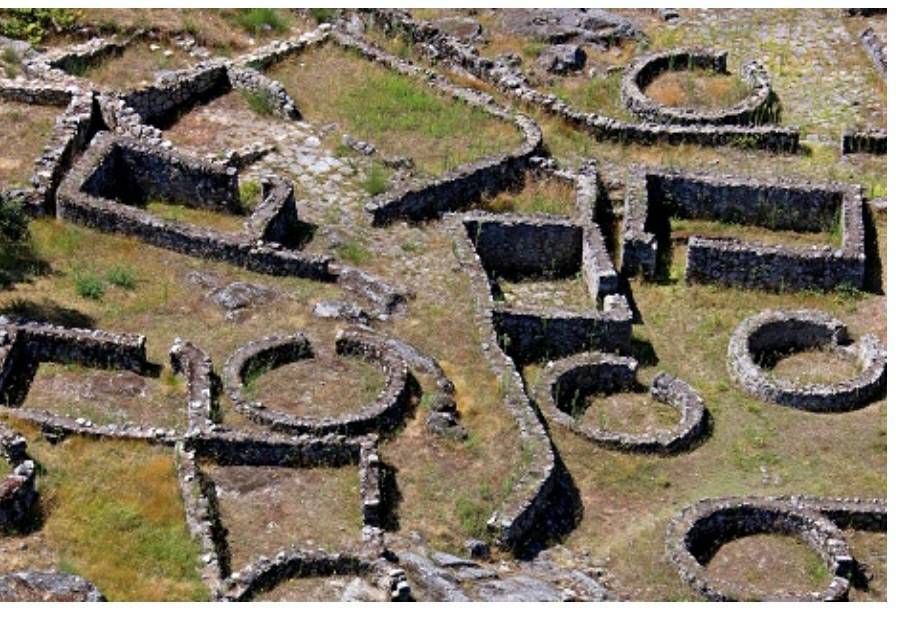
[383, 414]
[566, 386]
[696, 535]
[756, 108]
[760, 339]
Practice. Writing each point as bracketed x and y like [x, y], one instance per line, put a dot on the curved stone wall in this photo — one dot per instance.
[773, 333]
[384, 414]
[566, 385]
[699, 531]
[758, 107]
[440, 46]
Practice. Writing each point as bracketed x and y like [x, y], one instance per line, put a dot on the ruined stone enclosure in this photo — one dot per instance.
[443, 305]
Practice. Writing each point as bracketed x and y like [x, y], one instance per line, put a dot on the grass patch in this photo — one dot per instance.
[137, 64]
[24, 130]
[257, 101]
[115, 516]
[473, 513]
[323, 16]
[398, 114]
[377, 180]
[122, 277]
[89, 285]
[684, 228]
[326, 386]
[255, 21]
[537, 196]
[209, 219]
[699, 89]
[353, 252]
[249, 194]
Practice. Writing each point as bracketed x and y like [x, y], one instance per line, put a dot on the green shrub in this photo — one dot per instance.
[353, 252]
[323, 15]
[258, 102]
[13, 222]
[122, 277]
[254, 21]
[377, 181]
[89, 286]
[249, 194]
[533, 50]
[33, 25]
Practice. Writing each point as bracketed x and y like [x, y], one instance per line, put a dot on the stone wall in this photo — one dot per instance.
[566, 385]
[442, 47]
[652, 197]
[702, 528]
[71, 133]
[868, 141]
[515, 247]
[539, 501]
[174, 91]
[759, 339]
[294, 563]
[758, 107]
[525, 508]
[18, 490]
[84, 199]
[384, 414]
[875, 48]
[533, 335]
[276, 218]
[132, 173]
[203, 385]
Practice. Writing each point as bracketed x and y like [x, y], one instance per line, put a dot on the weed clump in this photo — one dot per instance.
[257, 102]
[353, 252]
[122, 277]
[255, 21]
[377, 181]
[89, 286]
[33, 25]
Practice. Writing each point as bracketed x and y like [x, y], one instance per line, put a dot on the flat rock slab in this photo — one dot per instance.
[47, 587]
[562, 25]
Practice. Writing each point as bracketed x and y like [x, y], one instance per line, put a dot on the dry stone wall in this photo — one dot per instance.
[651, 197]
[442, 47]
[759, 339]
[384, 414]
[758, 107]
[702, 528]
[566, 385]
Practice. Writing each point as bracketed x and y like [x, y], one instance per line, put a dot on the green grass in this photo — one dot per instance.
[249, 194]
[377, 180]
[255, 21]
[123, 277]
[399, 114]
[322, 16]
[473, 513]
[114, 515]
[353, 252]
[89, 285]
[13, 221]
[210, 219]
[258, 102]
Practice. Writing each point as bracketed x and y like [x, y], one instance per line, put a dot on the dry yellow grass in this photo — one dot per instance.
[24, 130]
[697, 89]
[138, 64]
